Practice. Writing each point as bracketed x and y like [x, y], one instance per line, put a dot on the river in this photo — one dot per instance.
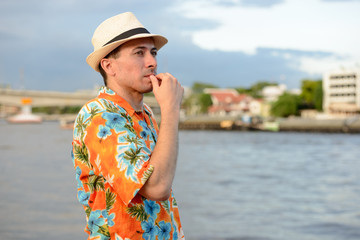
[229, 185]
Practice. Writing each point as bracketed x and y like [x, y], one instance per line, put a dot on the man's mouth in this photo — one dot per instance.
[148, 75]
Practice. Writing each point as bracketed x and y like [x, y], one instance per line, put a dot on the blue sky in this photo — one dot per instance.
[229, 43]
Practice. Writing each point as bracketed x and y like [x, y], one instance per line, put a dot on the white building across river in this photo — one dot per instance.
[342, 92]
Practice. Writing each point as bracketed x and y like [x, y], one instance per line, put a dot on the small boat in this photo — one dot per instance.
[66, 123]
[271, 126]
[25, 116]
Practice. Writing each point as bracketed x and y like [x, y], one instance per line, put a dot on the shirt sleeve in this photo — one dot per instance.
[117, 153]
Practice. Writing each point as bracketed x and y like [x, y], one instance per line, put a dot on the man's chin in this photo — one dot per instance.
[147, 86]
[148, 90]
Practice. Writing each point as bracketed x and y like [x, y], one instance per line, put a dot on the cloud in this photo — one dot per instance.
[308, 25]
[261, 3]
[49, 39]
[228, 69]
[245, 3]
[226, 43]
[341, 0]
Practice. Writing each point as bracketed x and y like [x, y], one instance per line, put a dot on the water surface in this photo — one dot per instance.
[229, 185]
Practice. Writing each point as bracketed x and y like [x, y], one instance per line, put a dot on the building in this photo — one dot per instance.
[272, 93]
[341, 91]
[230, 102]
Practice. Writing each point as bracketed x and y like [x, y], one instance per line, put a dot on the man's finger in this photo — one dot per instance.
[154, 81]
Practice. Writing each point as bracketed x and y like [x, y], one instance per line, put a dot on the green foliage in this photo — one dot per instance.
[189, 102]
[93, 111]
[88, 211]
[110, 199]
[137, 211]
[199, 98]
[242, 90]
[286, 105]
[47, 110]
[147, 174]
[174, 203]
[204, 101]
[199, 87]
[81, 154]
[104, 230]
[80, 126]
[255, 89]
[70, 109]
[166, 205]
[96, 183]
[110, 107]
[132, 155]
[311, 93]
[318, 96]
[57, 110]
[135, 140]
[130, 128]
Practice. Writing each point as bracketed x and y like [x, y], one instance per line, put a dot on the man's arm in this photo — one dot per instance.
[168, 93]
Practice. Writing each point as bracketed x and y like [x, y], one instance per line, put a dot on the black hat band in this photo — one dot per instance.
[127, 34]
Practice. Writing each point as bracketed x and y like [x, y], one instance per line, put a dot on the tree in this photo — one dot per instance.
[311, 93]
[205, 102]
[318, 96]
[198, 101]
[242, 90]
[256, 89]
[198, 87]
[286, 105]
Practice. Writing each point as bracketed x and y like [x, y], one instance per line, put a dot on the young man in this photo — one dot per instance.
[124, 164]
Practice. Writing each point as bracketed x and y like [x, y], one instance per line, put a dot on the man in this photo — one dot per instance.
[124, 163]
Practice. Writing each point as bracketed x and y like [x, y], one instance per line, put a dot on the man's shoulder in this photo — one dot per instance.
[95, 108]
[98, 106]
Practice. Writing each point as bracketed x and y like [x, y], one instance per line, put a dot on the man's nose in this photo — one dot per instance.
[151, 61]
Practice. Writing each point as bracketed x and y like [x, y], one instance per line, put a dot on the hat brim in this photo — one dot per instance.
[95, 57]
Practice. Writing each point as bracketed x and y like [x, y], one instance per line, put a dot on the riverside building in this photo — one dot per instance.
[341, 93]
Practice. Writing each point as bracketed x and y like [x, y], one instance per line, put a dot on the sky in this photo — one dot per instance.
[227, 43]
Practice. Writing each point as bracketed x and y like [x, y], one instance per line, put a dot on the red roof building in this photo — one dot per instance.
[228, 102]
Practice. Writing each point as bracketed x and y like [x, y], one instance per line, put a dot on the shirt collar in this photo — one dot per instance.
[110, 95]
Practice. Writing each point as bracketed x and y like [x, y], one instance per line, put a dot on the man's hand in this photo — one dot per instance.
[168, 91]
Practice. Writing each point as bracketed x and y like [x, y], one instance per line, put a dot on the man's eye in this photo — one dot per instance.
[139, 53]
[154, 53]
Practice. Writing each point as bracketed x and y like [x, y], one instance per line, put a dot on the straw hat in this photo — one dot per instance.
[115, 31]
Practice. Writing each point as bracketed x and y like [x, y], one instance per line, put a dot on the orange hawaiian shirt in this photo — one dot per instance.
[112, 146]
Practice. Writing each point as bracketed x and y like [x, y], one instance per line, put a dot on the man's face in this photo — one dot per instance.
[135, 63]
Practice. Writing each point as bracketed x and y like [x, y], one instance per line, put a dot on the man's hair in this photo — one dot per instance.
[113, 54]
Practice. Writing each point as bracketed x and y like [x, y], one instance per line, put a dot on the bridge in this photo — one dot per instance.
[13, 98]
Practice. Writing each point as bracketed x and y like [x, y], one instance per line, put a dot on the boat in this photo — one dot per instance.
[25, 116]
[66, 123]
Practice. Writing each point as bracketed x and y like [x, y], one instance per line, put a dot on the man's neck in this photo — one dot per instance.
[135, 99]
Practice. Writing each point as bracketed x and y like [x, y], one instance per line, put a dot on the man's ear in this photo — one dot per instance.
[107, 66]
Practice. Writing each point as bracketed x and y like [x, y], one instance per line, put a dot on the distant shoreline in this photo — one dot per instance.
[292, 124]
